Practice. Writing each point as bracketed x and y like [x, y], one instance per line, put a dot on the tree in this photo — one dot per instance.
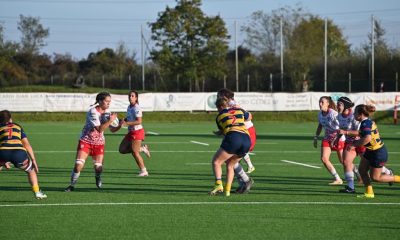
[305, 50]
[33, 34]
[114, 65]
[263, 29]
[188, 43]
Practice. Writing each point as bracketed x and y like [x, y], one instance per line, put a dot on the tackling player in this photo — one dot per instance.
[375, 156]
[234, 146]
[16, 149]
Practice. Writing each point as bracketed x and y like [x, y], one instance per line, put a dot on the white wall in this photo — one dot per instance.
[251, 101]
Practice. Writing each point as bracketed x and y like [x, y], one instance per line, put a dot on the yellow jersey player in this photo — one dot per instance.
[16, 149]
[234, 146]
[375, 156]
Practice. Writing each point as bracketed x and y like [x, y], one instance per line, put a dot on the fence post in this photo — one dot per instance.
[349, 82]
[270, 82]
[224, 81]
[248, 82]
[130, 83]
[177, 81]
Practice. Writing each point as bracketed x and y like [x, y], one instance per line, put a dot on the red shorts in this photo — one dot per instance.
[91, 149]
[135, 135]
[359, 150]
[253, 138]
[339, 146]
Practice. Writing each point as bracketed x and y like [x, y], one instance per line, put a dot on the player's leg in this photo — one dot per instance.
[389, 172]
[146, 150]
[219, 158]
[377, 176]
[245, 182]
[348, 158]
[136, 145]
[250, 166]
[364, 168]
[231, 162]
[239, 174]
[81, 156]
[125, 145]
[246, 158]
[98, 160]
[21, 160]
[325, 154]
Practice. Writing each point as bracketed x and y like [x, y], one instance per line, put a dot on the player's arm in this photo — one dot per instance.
[362, 141]
[106, 125]
[317, 133]
[138, 121]
[218, 132]
[4, 164]
[352, 133]
[29, 149]
[120, 123]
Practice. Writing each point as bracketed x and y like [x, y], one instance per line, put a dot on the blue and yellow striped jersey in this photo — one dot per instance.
[232, 119]
[11, 135]
[368, 127]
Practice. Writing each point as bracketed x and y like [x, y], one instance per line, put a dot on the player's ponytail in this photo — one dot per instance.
[366, 110]
[100, 97]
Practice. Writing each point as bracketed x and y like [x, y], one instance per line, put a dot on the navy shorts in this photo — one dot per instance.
[236, 143]
[16, 156]
[377, 158]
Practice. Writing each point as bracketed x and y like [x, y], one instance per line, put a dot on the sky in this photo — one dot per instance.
[79, 27]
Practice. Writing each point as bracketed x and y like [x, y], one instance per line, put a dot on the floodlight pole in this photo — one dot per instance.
[142, 53]
[373, 53]
[236, 60]
[326, 57]
[281, 55]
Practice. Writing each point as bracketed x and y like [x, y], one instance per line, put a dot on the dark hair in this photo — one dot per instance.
[224, 92]
[221, 102]
[101, 96]
[347, 103]
[136, 95]
[366, 110]
[5, 116]
[332, 104]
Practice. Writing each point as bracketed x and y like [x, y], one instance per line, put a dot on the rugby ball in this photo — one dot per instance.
[115, 123]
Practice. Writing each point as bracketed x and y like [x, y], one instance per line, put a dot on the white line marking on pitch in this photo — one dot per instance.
[153, 133]
[196, 203]
[254, 153]
[302, 164]
[201, 143]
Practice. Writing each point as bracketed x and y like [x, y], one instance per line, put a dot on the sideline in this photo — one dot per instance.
[194, 203]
